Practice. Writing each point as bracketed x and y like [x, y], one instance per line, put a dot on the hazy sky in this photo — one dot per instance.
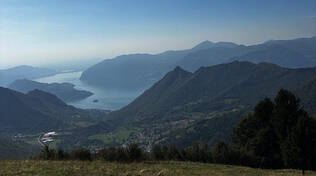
[34, 32]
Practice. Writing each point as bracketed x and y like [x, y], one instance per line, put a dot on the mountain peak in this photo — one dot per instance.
[204, 45]
[208, 44]
[178, 68]
[178, 72]
[225, 44]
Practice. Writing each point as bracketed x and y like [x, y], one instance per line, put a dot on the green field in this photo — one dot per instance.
[28, 167]
[118, 136]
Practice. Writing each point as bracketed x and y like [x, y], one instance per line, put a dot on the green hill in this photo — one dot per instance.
[38, 111]
[15, 149]
[205, 105]
[225, 85]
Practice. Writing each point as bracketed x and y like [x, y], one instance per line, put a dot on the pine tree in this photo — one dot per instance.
[158, 152]
[221, 153]
[276, 134]
[134, 152]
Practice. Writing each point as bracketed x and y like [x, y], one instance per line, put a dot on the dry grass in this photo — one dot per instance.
[55, 168]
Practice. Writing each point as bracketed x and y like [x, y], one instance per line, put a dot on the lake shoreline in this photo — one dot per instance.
[102, 98]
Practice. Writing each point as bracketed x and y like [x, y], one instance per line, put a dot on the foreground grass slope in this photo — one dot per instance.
[54, 168]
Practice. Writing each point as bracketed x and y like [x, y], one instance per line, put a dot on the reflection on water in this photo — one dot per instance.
[106, 99]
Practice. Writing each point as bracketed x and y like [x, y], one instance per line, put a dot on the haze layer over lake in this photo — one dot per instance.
[108, 99]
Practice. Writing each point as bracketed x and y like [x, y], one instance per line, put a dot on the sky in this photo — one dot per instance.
[37, 32]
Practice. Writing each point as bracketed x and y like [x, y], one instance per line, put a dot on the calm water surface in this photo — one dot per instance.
[107, 99]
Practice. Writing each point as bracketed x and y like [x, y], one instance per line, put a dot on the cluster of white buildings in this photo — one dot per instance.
[48, 137]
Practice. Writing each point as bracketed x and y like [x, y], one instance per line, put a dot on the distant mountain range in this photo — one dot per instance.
[140, 71]
[7, 76]
[183, 104]
[64, 91]
[181, 108]
[205, 105]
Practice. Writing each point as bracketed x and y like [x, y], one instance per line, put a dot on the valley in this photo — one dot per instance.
[162, 88]
[182, 107]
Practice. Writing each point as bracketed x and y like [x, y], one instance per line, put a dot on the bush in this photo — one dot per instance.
[48, 154]
[222, 153]
[134, 153]
[81, 154]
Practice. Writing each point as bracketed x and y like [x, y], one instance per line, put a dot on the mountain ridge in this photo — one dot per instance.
[184, 105]
[9, 75]
[142, 71]
[64, 91]
[38, 111]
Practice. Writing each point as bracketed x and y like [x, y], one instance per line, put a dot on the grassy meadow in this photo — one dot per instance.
[96, 168]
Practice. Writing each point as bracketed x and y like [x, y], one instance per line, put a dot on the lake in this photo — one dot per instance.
[105, 98]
